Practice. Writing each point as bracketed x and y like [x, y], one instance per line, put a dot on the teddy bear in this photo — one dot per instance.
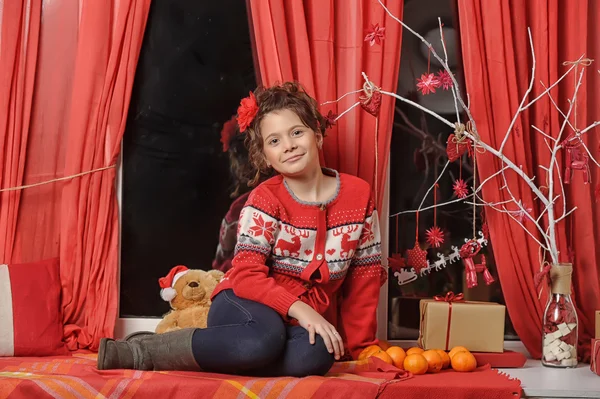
[188, 292]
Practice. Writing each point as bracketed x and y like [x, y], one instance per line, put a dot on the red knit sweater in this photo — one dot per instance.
[321, 254]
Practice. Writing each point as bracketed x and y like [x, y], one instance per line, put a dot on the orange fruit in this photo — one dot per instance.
[464, 361]
[445, 358]
[414, 350]
[434, 361]
[383, 356]
[457, 349]
[398, 355]
[368, 351]
[384, 345]
[416, 364]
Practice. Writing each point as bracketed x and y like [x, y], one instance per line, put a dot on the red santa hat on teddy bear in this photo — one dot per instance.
[167, 283]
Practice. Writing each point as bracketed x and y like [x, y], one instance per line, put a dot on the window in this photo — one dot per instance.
[418, 155]
[195, 65]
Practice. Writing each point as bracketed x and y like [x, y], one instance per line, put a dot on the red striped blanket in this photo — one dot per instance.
[76, 376]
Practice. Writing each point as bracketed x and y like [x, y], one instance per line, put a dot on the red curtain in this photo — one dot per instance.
[66, 77]
[320, 43]
[497, 64]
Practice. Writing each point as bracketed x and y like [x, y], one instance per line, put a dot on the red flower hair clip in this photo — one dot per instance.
[247, 112]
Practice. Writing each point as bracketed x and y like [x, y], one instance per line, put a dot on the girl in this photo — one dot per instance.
[308, 252]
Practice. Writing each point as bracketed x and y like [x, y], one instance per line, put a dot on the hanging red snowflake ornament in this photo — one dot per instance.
[460, 188]
[396, 262]
[519, 214]
[375, 35]
[485, 229]
[435, 236]
[330, 119]
[417, 258]
[427, 83]
[445, 79]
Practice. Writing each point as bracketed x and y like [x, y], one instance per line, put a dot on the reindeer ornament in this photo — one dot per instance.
[468, 253]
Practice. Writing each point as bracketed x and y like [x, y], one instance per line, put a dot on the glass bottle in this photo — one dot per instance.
[559, 329]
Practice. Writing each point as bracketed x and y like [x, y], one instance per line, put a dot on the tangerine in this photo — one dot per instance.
[416, 364]
[464, 361]
[414, 350]
[384, 345]
[434, 361]
[383, 356]
[368, 351]
[445, 358]
[398, 355]
[457, 349]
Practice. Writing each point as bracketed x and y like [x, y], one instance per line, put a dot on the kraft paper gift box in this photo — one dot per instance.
[449, 321]
[595, 356]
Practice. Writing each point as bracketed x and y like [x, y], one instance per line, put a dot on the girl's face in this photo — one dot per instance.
[291, 148]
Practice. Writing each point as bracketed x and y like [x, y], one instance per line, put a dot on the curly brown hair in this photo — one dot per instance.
[242, 170]
[289, 95]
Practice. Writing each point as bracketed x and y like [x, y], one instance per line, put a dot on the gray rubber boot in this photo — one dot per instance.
[169, 351]
[136, 336]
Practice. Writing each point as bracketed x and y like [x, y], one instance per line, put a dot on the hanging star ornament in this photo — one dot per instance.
[375, 35]
[427, 83]
[396, 262]
[417, 258]
[435, 236]
[460, 188]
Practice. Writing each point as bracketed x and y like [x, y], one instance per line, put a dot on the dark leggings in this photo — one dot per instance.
[248, 338]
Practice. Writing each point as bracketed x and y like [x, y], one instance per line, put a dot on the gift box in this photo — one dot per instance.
[451, 321]
[595, 358]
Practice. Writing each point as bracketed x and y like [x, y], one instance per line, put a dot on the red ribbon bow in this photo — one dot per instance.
[450, 297]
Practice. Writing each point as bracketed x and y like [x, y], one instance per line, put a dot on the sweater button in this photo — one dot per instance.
[319, 257]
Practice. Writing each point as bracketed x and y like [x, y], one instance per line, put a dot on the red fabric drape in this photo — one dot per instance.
[497, 63]
[78, 93]
[320, 43]
[19, 42]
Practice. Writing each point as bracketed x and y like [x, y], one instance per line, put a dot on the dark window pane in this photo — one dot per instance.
[195, 66]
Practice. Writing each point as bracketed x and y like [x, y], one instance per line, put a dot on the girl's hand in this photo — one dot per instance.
[313, 322]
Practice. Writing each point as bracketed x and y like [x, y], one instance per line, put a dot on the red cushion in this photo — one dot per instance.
[30, 309]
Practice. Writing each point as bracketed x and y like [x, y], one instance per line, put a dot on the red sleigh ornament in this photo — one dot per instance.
[576, 160]
[467, 254]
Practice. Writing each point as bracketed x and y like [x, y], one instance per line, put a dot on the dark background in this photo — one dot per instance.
[195, 66]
